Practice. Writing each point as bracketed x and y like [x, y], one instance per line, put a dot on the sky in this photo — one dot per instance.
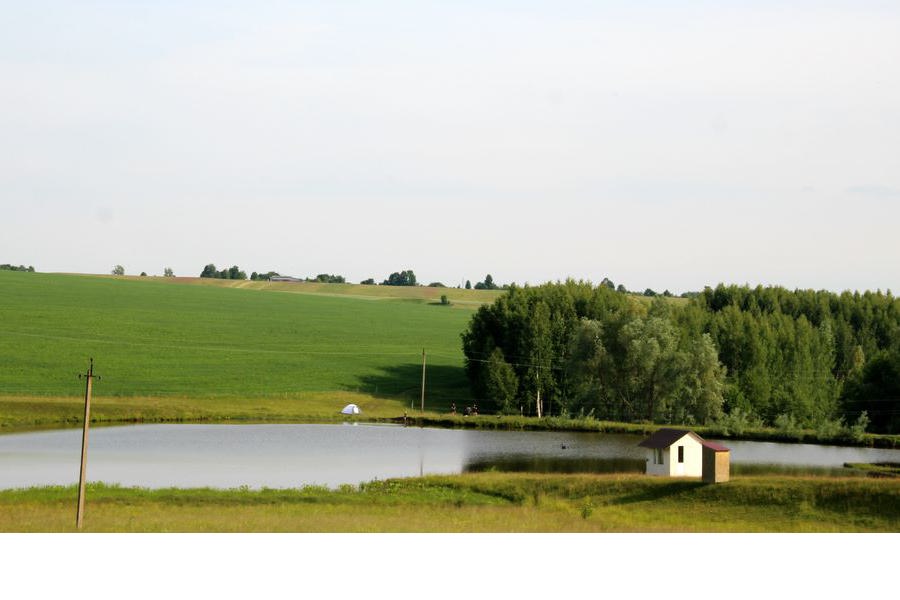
[662, 145]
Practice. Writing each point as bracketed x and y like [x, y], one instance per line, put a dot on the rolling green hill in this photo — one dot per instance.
[187, 348]
[208, 339]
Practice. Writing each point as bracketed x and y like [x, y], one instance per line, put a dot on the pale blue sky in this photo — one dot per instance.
[665, 145]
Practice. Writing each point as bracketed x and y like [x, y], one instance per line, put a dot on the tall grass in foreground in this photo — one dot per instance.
[499, 502]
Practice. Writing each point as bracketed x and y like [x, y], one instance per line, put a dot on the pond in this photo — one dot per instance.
[283, 456]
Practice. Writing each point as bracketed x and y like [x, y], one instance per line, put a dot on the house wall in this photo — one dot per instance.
[693, 460]
[716, 466]
[653, 469]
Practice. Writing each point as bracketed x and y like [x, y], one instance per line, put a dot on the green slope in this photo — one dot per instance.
[153, 337]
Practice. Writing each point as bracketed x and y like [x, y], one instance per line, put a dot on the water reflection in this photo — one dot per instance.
[546, 464]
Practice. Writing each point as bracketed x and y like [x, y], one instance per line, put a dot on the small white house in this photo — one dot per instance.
[680, 453]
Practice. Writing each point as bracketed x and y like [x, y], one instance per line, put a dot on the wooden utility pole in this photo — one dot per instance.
[423, 379]
[89, 377]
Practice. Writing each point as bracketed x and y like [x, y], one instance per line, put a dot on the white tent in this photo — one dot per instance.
[350, 409]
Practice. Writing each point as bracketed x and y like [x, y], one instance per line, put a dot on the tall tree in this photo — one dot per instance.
[875, 390]
[487, 284]
[501, 382]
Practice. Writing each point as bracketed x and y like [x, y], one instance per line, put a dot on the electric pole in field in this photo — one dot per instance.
[89, 379]
[423, 379]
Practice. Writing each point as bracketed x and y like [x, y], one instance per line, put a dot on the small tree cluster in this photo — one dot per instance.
[326, 278]
[254, 276]
[209, 271]
[406, 278]
[487, 284]
[15, 268]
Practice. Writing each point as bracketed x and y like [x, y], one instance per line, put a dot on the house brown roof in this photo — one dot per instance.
[665, 437]
[715, 447]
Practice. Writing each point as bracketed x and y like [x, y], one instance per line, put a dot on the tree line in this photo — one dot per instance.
[406, 277]
[235, 272]
[120, 270]
[766, 355]
[8, 267]
[803, 354]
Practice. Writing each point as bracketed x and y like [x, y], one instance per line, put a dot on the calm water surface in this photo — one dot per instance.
[281, 456]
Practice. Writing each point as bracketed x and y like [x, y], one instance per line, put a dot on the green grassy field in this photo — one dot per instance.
[181, 349]
[201, 346]
[482, 502]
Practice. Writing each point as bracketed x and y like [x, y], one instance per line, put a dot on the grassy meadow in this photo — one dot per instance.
[477, 502]
[195, 349]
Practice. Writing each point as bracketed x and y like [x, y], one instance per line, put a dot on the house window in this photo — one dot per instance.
[681, 454]
[658, 456]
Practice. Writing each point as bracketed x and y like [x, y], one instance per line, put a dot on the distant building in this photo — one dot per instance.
[682, 453]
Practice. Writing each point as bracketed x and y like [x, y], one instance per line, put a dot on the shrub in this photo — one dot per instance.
[737, 422]
[858, 430]
[787, 425]
[827, 429]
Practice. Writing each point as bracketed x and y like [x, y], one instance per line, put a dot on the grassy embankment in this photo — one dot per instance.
[488, 502]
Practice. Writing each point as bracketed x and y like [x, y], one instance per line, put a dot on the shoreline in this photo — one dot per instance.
[19, 415]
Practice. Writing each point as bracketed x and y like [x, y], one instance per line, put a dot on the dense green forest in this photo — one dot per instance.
[767, 356]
